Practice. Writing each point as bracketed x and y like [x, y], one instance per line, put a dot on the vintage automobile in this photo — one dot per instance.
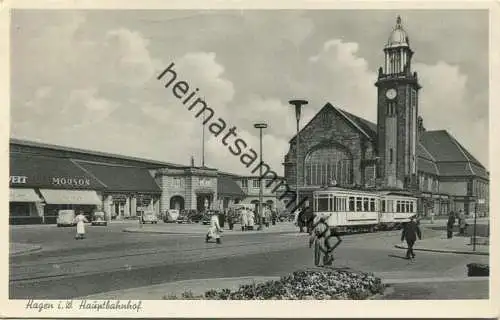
[99, 219]
[171, 216]
[66, 218]
[149, 217]
[182, 218]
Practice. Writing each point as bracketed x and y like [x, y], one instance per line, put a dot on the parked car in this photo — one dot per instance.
[149, 217]
[205, 220]
[171, 215]
[99, 219]
[66, 218]
[183, 219]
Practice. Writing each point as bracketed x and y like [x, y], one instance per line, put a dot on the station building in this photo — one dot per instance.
[46, 178]
[394, 153]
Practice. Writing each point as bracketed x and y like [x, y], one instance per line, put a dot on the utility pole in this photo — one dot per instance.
[260, 126]
[298, 105]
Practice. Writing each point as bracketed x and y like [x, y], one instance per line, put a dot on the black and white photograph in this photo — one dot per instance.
[171, 155]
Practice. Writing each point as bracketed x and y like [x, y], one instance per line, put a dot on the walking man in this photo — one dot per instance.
[449, 225]
[410, 232]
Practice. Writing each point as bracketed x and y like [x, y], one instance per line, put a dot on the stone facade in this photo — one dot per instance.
[187, 185]
[330, 127]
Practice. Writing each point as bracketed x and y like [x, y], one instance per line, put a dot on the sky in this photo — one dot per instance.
[87, 79]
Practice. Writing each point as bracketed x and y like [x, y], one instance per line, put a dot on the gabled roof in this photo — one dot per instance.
[451, 158]
[365, 127]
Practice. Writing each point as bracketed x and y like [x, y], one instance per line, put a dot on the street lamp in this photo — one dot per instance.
[298, 105]
[260, 126]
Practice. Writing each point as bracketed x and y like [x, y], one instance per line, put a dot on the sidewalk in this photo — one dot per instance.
[17, 249]
[196, 228]
[461, 245]
[196, 286]
[424, 288]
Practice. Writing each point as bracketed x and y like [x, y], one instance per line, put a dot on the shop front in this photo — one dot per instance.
[41, 186]
[129, 191]
[85, 201]
[25, 206]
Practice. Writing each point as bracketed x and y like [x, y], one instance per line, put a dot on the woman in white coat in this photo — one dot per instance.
[215, 230]
[80, 225]
[244, 219]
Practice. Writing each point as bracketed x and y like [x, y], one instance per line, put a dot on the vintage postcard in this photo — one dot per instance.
[293, 159]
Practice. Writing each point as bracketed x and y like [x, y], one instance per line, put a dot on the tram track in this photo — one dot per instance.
[40, 271]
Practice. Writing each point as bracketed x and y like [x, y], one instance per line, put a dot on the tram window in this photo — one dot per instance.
[411, 206]
[334, 204]
[351, 203]
[343, 203]
[366, 204]
[359, 204]
[383, 206]
[398, 206]
[372, 205]
[323, 204]
[407, 206]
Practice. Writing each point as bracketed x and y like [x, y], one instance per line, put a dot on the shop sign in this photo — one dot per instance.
[18, 179]
[68, 181]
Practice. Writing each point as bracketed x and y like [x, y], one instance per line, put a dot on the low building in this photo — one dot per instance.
[46, 178]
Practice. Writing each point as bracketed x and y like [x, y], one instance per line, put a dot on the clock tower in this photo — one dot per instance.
[397, 112]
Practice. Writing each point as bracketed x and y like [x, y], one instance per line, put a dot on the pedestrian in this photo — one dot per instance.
[321, 236]
[449, 225]
[214, 232]
[230, 219]
[410, 232]
[250, 219]
[80, 220]
[462, 224]
[244, 219]
[274, 216]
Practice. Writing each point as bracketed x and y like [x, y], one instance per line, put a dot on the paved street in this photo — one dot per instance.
[110, 259]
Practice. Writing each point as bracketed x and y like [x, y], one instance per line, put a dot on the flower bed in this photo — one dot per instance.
[313, 284]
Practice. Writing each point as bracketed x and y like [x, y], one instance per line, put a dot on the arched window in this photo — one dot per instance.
[328, 165]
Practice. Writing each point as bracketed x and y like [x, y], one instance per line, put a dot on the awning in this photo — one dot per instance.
[70, 197]
[226, 186]
[23, 195]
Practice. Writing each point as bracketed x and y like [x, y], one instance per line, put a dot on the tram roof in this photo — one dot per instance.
[342, 189]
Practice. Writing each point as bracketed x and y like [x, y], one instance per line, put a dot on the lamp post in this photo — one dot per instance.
[260, 126]
[298, 105]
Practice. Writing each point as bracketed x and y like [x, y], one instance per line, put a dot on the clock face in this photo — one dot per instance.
[391, 94]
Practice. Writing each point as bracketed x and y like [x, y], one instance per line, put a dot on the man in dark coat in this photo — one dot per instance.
[410, 232]
[449, 225]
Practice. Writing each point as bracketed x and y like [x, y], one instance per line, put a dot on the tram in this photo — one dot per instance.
[352, 210]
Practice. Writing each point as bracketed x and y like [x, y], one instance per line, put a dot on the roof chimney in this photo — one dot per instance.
[192, 161]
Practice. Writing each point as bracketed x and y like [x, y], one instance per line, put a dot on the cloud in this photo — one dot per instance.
[446, 103]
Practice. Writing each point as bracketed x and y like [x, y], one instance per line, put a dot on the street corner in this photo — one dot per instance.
[18, 249]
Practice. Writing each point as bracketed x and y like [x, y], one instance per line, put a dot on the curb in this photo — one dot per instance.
[25, 252]
[446, 251]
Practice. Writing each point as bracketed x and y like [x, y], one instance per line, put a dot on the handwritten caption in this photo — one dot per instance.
[85, 305]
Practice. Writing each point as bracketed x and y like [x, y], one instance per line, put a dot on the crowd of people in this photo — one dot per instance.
[247, 218]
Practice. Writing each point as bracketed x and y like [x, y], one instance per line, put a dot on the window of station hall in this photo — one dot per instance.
[326, 165]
